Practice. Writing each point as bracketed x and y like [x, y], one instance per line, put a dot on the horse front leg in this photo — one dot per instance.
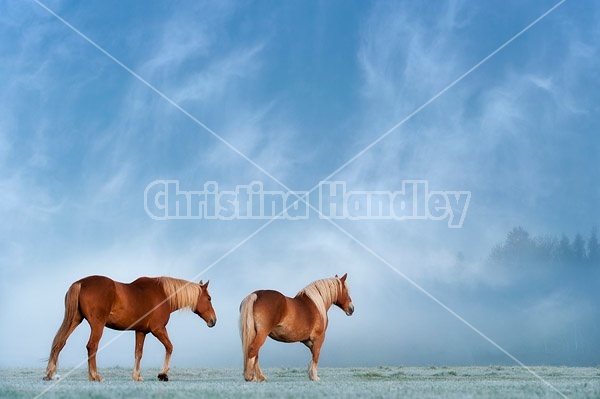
[315, 349]
[163, 337]
[139, 349]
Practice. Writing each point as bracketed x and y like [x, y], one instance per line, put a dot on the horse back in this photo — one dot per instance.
[96, 296]
[142, 302]
[270, 307]
[287, 319]
[145, 293]
[136, 305]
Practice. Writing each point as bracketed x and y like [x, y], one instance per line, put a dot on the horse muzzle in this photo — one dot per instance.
[350, 310]
[211, 322]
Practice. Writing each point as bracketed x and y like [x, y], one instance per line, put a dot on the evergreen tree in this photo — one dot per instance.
[517, 249]
[519, 245]
[578, 249]
[545, 248]
[564, 251]
[593, 249]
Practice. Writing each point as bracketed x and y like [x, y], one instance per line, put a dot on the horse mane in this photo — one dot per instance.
[180, 293]
[323, 293]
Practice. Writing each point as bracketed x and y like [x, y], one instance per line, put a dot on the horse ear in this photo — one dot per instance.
[343, 278]
[200, 282]
[336, 275]
[205, 286]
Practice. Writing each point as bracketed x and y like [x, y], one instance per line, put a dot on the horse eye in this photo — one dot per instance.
[209, 299]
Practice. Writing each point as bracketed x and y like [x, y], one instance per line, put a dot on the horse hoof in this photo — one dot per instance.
[47, 378]
[163, 377]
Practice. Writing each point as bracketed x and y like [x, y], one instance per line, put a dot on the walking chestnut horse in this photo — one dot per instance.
[143, 306]
[299, 319]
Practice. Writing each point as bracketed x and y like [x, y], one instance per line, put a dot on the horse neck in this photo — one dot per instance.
[321, 294]
[180, 293]
[175, 306]
[304, 297]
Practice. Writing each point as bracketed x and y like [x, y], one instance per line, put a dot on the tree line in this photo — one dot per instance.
[520, 248]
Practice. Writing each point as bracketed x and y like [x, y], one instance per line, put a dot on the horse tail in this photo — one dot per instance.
[71, 320]
[247, 328]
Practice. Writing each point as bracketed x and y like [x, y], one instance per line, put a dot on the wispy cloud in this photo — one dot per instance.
[80, 139]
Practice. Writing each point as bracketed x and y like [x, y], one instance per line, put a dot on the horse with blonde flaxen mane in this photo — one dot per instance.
[143, 306]
[300, 319]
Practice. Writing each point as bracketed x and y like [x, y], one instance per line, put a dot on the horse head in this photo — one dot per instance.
[344, 301]
[204, 307]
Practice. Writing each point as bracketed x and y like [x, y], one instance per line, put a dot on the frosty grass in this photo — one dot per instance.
[375, 382]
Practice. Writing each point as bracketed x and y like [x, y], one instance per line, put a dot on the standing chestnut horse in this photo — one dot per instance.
[144, 306]
[299, 319]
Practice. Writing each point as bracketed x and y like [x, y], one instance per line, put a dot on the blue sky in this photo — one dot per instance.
[299, 89]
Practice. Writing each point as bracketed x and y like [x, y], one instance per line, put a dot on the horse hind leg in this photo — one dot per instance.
[70, 321]
[92, 348]
[253, 371]
[258, 372]
[58, 344]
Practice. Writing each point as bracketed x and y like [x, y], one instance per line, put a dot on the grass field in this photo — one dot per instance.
[378, 382]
